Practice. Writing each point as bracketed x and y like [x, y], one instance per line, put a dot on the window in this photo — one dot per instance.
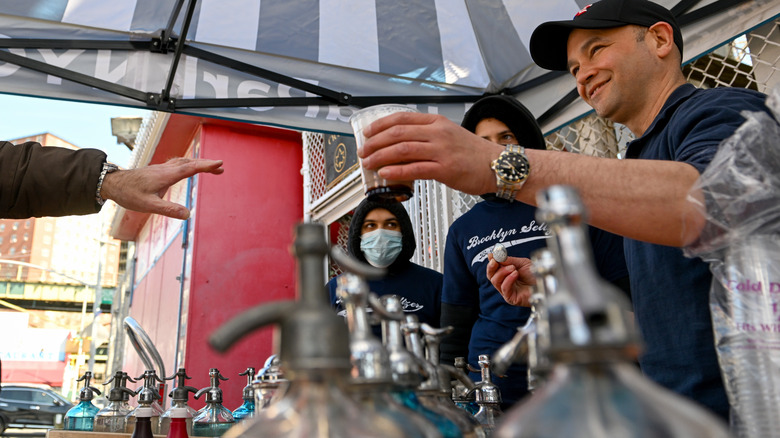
[15, 226]
[14, 238]
[26, 237]
[15, 394]
[42, 398]
[1, 240]
[2, 227]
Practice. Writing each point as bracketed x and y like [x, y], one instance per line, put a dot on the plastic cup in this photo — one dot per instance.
[375, 187]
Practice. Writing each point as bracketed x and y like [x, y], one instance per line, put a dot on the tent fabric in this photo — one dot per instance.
[303, 64]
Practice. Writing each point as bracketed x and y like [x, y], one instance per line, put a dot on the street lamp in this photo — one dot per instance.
[125, 129]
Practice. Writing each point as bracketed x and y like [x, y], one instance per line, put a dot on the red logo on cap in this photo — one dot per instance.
[583, 10]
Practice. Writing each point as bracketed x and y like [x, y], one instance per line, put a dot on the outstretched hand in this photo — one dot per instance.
[513, 279]
[409, 146]
[143, 189]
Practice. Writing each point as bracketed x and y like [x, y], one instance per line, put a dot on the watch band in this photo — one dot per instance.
[107, 168]
[506, 190]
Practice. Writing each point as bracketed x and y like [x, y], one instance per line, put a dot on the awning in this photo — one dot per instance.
[306, 64]
[29, 371]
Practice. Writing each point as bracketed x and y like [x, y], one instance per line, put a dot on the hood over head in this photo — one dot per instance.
[398, 210]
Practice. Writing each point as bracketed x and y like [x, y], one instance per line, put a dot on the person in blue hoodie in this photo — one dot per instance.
[381, 235]
[482, 319]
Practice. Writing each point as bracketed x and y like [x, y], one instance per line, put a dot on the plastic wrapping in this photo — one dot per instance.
[739, 194]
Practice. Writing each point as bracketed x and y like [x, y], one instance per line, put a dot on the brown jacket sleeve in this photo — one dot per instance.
[40, 181]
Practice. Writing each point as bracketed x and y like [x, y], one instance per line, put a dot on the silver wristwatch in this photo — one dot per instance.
[107, 168]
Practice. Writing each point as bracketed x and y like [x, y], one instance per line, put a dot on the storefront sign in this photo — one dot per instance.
[340, 158]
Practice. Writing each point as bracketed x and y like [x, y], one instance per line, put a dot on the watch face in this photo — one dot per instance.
[511, 168]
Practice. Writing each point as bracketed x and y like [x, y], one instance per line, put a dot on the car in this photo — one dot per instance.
[33, 406]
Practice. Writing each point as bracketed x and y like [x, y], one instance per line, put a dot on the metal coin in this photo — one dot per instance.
[499, 253]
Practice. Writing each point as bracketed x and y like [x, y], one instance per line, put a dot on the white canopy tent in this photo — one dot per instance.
[307, 64]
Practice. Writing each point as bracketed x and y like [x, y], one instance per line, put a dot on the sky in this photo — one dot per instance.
[82, 124]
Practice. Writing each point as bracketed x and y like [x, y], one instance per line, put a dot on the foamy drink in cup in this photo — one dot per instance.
[375, 187]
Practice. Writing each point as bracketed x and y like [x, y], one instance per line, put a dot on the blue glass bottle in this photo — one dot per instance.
[247, 409]
[404, 367]
[82, 416]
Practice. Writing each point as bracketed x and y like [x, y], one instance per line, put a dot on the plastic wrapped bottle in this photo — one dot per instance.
[594, 390]
[214, 419]
[247, 408]
[745, 305]
[179, 405]
[81, 417]
[113, 418]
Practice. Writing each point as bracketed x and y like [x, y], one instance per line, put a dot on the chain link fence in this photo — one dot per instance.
[749, 61]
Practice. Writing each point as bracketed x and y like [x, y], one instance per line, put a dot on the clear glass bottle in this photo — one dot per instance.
[595, 389]
[488, 397]
[314, 353]
[214, 419]
[247, 408]
[179, 404]
[371, 379]
[435, 392]
[405, 368]
[147, 396]
[460, 394]
[81, 417]
[269, 384]
[113, 418]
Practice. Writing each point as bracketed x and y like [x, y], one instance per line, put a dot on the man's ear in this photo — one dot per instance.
[663, 38]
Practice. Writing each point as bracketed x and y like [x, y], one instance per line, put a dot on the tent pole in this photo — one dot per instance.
[166, 103]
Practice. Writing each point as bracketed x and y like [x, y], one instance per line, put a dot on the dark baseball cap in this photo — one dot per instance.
[548, 42]
[510, 112]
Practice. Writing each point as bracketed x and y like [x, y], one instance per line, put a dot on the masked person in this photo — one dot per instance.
[381, 235]
[482, 319]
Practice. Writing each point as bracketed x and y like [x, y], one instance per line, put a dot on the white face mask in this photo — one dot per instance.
[381, 247]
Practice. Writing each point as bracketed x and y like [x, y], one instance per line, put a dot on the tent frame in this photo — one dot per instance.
[166, 41]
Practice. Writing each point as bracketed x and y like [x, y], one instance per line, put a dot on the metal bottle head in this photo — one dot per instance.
[181, 392]
[404, 367]
[369, 357]
[87, 392]
[119, 391]
[586, 314]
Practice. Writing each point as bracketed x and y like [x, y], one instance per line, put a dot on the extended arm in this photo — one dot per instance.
[142, 189]
[40, 181]
[48, 181]
[640, 199]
